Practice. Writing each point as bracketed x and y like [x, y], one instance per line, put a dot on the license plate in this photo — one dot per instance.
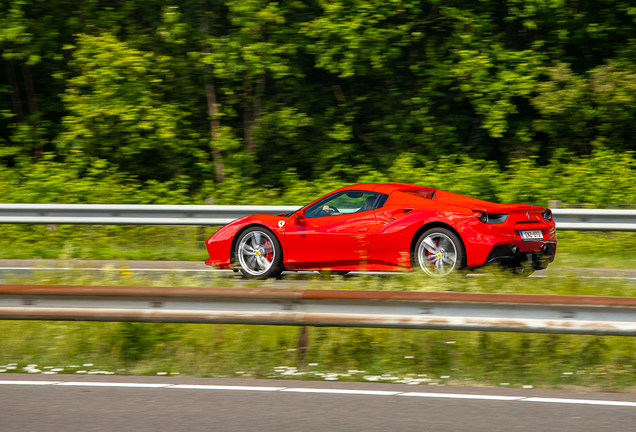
[531, 235]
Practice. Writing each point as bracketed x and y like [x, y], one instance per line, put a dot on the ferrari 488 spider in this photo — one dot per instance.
[390, 226]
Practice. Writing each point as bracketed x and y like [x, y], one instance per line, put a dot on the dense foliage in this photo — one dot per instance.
[183, 100]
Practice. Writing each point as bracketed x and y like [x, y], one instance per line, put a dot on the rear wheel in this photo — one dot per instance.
[259, 253]
[439, 252]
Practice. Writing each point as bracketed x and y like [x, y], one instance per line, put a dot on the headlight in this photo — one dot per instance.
[547, 215]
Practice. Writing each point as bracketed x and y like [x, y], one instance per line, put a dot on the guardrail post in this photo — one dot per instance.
[303, 339]
[51, 228]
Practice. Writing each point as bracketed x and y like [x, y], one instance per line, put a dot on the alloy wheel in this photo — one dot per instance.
[256, 253]
[437, 254]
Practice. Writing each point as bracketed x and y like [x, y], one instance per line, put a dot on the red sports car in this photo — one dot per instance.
[388, 226]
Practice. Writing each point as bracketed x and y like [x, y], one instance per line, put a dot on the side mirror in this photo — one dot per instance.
[300, 216]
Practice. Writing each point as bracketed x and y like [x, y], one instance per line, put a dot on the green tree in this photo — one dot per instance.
[117, 110]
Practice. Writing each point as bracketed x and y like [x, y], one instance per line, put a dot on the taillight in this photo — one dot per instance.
[492, 218]
[547, 215]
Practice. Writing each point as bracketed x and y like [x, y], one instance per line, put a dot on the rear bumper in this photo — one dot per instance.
[538, 254]
[487, 243]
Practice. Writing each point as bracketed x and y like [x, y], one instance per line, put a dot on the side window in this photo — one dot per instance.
[381, 201]
[344, 203]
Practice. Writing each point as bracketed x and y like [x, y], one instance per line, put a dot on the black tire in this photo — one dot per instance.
[524, 268]
[267, 258]
[442, 250]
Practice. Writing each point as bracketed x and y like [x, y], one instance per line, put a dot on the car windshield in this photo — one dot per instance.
[343, 203]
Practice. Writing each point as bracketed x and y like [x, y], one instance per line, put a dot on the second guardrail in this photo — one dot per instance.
[129, 214]
[218, 215]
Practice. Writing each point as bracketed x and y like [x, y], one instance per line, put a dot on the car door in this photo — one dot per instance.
[337, 239]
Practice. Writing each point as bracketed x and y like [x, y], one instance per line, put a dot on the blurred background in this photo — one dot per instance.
[258, 102]
[275, 103]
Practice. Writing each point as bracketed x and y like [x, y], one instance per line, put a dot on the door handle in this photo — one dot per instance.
[399, 212]
[363, 230]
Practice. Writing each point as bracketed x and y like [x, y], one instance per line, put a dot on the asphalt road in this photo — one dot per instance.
[277, 405]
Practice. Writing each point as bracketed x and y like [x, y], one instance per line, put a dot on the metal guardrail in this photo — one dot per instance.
[594, 219]
[217, 215]
[125, 214]
[337, 308]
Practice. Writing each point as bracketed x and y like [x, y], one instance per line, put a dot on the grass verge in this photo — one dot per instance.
[576, 249]
[104, 242]
[424, 357]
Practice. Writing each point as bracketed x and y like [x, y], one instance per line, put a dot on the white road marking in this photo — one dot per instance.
[605, 277]
[462, 396]
[304, 272]
[324, 391]
[580, 401]
[116, 269]
[337, 391]
[111, 384]
[11, 382]
[222, 387]
[370, 273]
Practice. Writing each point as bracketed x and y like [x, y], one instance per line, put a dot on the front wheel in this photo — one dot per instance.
[259, 253]
[439, 252]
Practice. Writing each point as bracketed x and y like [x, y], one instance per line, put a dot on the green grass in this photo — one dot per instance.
[465, 358]
[576, 249]
[388, 355]
[492, 280]
[104, 242]
[596, 250]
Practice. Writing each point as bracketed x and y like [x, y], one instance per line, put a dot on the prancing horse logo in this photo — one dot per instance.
[527, 216]
[280, 224]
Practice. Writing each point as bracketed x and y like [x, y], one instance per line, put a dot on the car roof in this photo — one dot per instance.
[385, 188]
